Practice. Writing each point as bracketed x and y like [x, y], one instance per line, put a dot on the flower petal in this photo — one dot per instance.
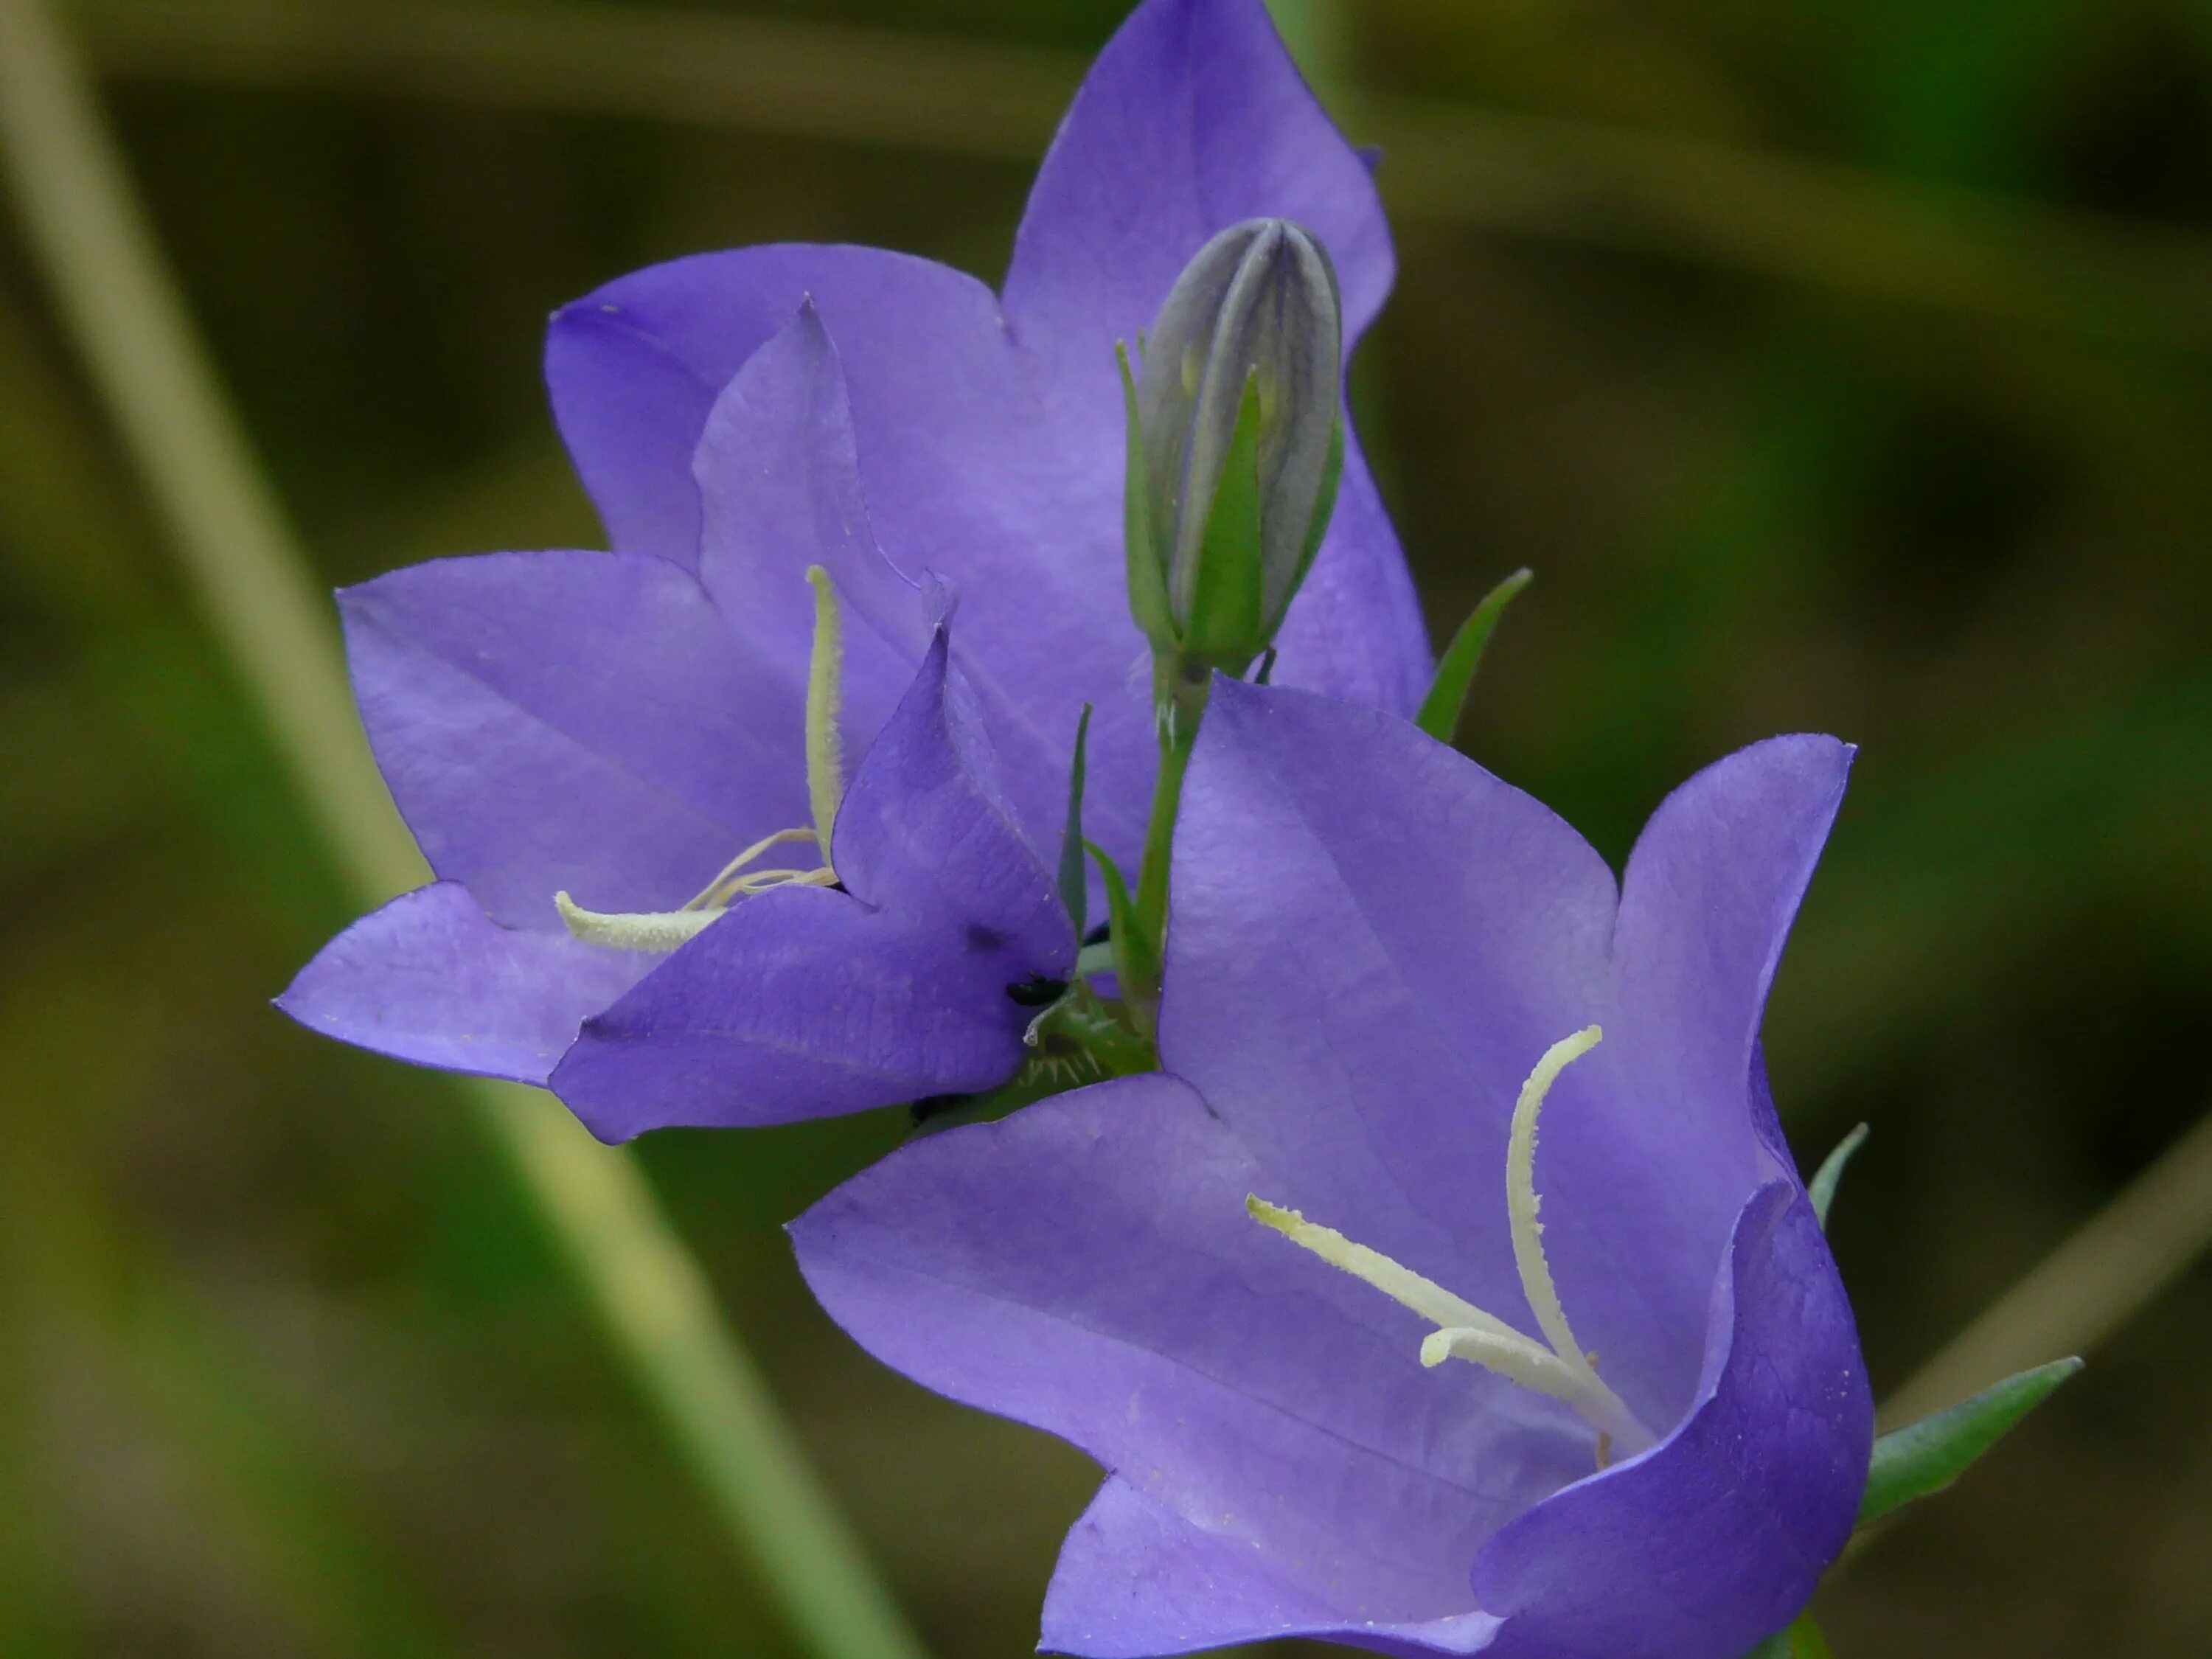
[1373, 942]
[966, 470]
[1135, 1580]
[430, 978]
[1087, 1265]
[1355, 630]
[571, 720]
[1192, 118]
[1715, 1538]
[926, 831]
[777, 476]
[1712, 889]
[635, 367]
[1705, 907]
[804, 1002]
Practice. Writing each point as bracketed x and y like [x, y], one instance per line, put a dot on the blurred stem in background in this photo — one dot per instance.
[2084, 1291]
[259, 595]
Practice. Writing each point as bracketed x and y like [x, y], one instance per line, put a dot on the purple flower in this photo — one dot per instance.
[1384, 963]
[615, 727]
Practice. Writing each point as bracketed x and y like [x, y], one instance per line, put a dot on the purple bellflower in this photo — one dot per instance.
[1292, 1290]
[612, 728]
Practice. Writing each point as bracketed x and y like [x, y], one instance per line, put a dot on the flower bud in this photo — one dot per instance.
[1236, 444]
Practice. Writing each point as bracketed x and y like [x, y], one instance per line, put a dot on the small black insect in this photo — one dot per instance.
[1036, 992]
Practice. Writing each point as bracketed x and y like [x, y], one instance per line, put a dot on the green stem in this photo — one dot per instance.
[257, 592]
[1180, 702]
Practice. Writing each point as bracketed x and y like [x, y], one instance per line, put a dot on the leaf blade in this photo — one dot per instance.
[1822, 1189]
[1923, 1458]
[1448, 692]
[1074, 882]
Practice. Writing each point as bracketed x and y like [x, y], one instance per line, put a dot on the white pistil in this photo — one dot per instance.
[1464, 1331]
[663, 931]
[659, 931]
[825, 762]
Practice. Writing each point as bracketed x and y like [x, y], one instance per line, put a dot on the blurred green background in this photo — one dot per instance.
[1841, 367]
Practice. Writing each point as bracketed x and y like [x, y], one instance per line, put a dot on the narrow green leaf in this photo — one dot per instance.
[1224, 624]
[1074, 887]
[1148, 591]
[1447, 700]
[1776, 1646]
[1278, 594]
[1136, 956]
[1822, 1188]
[1928, 1455]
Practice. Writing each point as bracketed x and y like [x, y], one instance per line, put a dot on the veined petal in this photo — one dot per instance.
[1192, 118]
[1399, 887]
[1087, 1265]
[571, 720]
[777, 471]
[804, 1002]
[1135, 1580]
[430, 978]
[1714, 1538]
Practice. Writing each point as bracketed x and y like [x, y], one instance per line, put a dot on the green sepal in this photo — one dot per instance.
[1324, 510]
[1136, 955]
[1075, 886]
[1822, 1189]
[1926, 1456]
[1223, 626]
[1447, 700]
[1147, 577]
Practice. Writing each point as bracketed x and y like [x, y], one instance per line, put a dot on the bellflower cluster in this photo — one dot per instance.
[1384, 964]
[582, 741]
[1430, 1273]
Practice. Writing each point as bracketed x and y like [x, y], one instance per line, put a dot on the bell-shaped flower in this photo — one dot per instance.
[1452, 1290]
[627, 729]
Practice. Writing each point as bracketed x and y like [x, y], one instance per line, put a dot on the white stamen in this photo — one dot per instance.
[1464, 1331]
[659, 931]
[714, 894]
[1401, 1284]
[1521, 1202]
[1533, 1367]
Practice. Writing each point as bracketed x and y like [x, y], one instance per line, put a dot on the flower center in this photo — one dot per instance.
[663, 930]
[1557, 1366]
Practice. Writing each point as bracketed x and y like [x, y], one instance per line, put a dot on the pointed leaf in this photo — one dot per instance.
[1822, 1188]
[1447, 700]
[1278, 594]
[1148, 591]
[1075, 886]
[1929, 1455]
[1136, 956]
[1224, 624]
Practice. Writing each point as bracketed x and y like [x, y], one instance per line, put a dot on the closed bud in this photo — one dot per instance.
[1236, 443]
